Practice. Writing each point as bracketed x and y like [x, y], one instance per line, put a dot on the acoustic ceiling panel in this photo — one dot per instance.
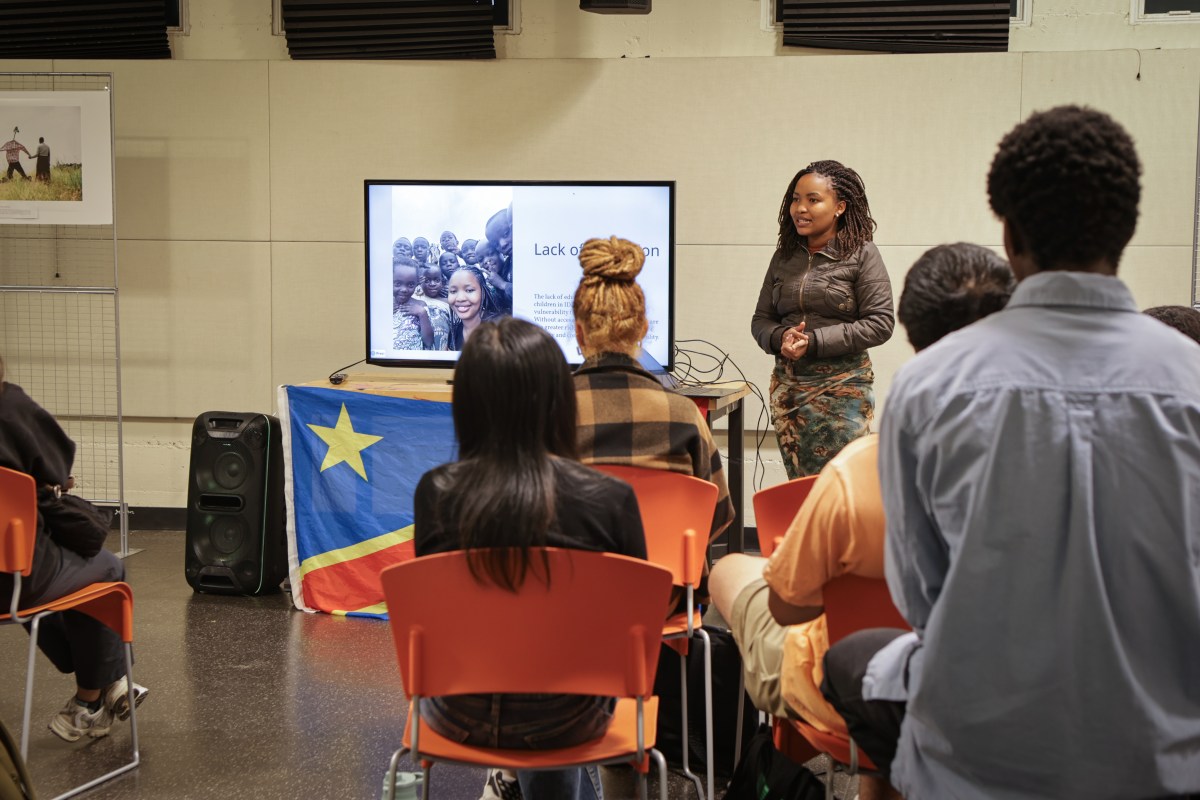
[389, 29]
[83, 29]
[897, 26]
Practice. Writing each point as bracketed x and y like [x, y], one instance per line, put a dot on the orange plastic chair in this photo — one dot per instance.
[111, 603]
[677, 513]
[774, 509]
[456, 635]
[852, 603]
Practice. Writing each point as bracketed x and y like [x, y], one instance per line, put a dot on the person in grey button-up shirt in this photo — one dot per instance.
[1041, 480]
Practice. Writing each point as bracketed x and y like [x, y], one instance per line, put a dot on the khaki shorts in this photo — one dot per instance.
[760, 640]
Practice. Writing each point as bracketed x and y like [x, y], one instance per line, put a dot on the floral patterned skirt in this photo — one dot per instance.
[818, 407]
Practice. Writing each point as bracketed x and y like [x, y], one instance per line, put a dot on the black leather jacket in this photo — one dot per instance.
[845, 303]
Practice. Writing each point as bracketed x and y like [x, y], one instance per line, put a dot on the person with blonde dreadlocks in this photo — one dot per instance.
[825, 300]
[625, 414]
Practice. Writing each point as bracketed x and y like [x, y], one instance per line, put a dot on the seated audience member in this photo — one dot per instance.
[518, 483]
[32, 442]
[470, 302]
[1182, 318]
[433, 294]
[411, 328]
[774, 608]
[625, 414]
[1041, 482]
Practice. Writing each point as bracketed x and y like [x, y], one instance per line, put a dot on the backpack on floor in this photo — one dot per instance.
[726, 671]
[764, 773]
[14, 778]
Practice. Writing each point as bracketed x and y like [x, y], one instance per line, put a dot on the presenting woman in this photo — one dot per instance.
[825, 300]
[518, 484]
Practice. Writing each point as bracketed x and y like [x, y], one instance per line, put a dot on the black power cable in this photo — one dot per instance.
[712, 370]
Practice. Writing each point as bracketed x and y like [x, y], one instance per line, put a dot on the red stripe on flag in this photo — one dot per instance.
[353, 584]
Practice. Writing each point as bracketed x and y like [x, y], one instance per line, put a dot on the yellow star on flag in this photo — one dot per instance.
[344, 443]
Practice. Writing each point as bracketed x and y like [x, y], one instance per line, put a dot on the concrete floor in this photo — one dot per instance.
[249, 699]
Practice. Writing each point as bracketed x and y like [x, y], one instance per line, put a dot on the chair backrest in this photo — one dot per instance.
[672, 505]
[774, 509]
[18, 520]
[595, 629]
[853, 603]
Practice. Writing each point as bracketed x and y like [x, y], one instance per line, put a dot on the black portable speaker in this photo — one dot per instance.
[236, 534]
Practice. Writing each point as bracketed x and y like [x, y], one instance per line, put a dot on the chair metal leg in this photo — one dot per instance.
[133, 728]
[33, 634]
[708, 711]
[661, 760]
[686, 738]
[737, 741]
[389, 783]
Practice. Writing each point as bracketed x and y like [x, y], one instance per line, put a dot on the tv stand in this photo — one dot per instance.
[391, 386]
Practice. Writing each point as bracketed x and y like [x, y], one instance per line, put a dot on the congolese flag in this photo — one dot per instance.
[353, 462]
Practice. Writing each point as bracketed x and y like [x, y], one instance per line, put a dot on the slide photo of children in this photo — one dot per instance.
[411, 328]
[433, 294]
[415, 216]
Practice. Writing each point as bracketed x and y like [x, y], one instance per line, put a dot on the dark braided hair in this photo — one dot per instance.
[854, 227]
[949, 287]
[1066, 181]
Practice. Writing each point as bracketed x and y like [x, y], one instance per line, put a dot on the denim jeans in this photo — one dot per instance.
[528, 722]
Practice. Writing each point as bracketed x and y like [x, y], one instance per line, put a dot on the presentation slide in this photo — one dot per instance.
[531, 236]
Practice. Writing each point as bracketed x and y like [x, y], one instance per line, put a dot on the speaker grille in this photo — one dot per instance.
[227, 534]
[386, 29]
[71, 29]
[230, 470]
[897, 26]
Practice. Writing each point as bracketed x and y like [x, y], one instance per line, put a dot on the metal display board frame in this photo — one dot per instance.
[59, 301]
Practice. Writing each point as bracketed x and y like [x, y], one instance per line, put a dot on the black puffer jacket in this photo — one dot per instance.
[846, 303]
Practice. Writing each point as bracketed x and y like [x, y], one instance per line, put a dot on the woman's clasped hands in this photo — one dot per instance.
[795, 343]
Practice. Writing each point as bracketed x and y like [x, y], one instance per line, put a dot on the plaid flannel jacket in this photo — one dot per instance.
[627, 417]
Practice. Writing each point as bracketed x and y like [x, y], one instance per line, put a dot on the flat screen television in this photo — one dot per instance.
[530, 233]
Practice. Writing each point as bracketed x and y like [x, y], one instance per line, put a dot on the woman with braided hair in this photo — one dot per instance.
[825, 300]
[625, 415]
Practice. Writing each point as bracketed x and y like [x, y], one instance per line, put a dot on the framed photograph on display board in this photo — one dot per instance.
[57, 158]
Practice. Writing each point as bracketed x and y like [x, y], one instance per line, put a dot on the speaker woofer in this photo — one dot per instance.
[230, 470]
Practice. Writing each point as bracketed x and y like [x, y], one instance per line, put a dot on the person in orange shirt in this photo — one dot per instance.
[774, 607]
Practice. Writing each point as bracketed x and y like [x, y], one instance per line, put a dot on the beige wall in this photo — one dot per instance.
[239, 172]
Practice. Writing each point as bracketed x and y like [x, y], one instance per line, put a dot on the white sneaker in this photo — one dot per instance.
[75, 720]
[116, 697]
[501, 785]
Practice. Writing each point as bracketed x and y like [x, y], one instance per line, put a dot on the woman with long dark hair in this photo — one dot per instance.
[517, 485]
[826, 298]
